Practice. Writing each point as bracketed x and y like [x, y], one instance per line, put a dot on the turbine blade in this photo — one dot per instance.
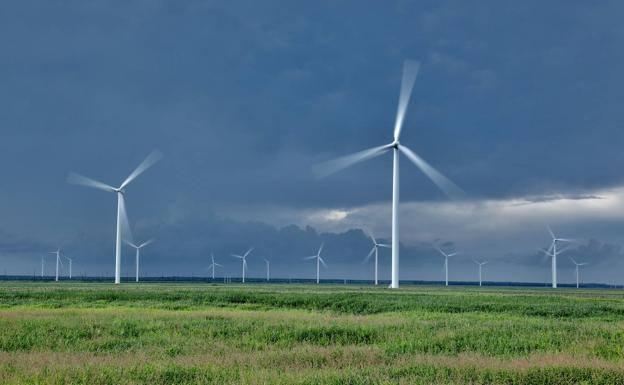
[370, 254]
[216, 264]
[322, 262]
[131, 244]
[410, 70]
[324, 169]
[321, 249]
[584, 263]
[308, 258]
[237, 256]
[152, 158]
[384, 245]
[445, 184]
[147, 243]
[248, 251]
[125, 222]
[573, 261]
[82, 180]
[551, 232]
[452, 254]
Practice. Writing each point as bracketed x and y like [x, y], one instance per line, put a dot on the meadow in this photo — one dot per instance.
[87, 333]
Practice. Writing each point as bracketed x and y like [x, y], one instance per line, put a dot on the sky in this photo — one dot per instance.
[519, 103]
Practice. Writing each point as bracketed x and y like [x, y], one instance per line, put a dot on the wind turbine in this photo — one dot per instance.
[553, 252]
[319, 260]
[138, 255]
[375, 250]
[268, 267]
[410, 70]
[244, 259]
[213, 265]
[58, 260]
[122, 216]
[70, 266]
[576, 264]
[42, 263]
[480, 267]
[446, 257]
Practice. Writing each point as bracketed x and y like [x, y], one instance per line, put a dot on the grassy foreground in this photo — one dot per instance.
[259, 334]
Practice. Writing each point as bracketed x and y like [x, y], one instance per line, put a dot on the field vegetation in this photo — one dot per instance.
[287, 334]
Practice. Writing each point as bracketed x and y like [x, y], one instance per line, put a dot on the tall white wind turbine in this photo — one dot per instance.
[553, 252]
[244, 259]
[213, 265]
[137, 255]
[70, 265]
[446, 258]
[480, 269]
[58, 260]
[122, 217]
[375, 251]
[42, 264]
[410, 70]
[319, 260]
[268, 269]
[576, 265]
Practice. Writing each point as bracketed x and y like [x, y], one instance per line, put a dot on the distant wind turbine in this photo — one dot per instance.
[70, 266]
[375, 250]
[576, 265]
[410, 70]
[213, 265]
[268, 269]
[553, 252]
[244, 259]
[319, 260]
[480, 267]
[122, 216]
[138, 255]
[42, 263]
[58, 260]
[446, 257]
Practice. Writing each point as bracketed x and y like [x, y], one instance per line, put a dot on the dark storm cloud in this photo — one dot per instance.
[512, 100]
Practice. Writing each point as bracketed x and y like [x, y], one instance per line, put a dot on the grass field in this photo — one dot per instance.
[260, 334]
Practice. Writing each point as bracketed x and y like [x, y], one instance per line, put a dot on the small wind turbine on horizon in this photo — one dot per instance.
[58, 260]
[122, 216]
[480, 268]
[268, 269]
[410, 70]
[70, 265]
[576, 265]
[42, 264]
[553, 252]
[446, 257]
[319, 260]
[244, 259]
[138, 255]
[375, 250]
[213, 265]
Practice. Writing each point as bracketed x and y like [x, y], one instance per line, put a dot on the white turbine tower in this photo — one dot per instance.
[319, 260]
[213, 265]
[553, 252]
[42, 263]
[410, 70]
[138, 255]
[446, 257]
[244, 259]
[375, 250]
[70, 265]
[480, 268]
[58, 260]
[268, 269]
[122, 217]
[576, 264]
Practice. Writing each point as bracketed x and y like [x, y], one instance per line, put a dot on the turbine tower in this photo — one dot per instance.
[58, 260]
[576, 264]
[268, 269]
[244, 259]
[480, 268]
[138, 255]
[70, 266]
[375, 250]
[122, 217]
[446, 257]
[42, 263]
[213, 265]
[410, 70]
[553, 252]
[319, 260]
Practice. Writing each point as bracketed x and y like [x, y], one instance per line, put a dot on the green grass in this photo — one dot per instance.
[289, 334]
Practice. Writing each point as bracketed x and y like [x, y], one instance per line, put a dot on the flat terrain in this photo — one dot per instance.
[286, 334]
